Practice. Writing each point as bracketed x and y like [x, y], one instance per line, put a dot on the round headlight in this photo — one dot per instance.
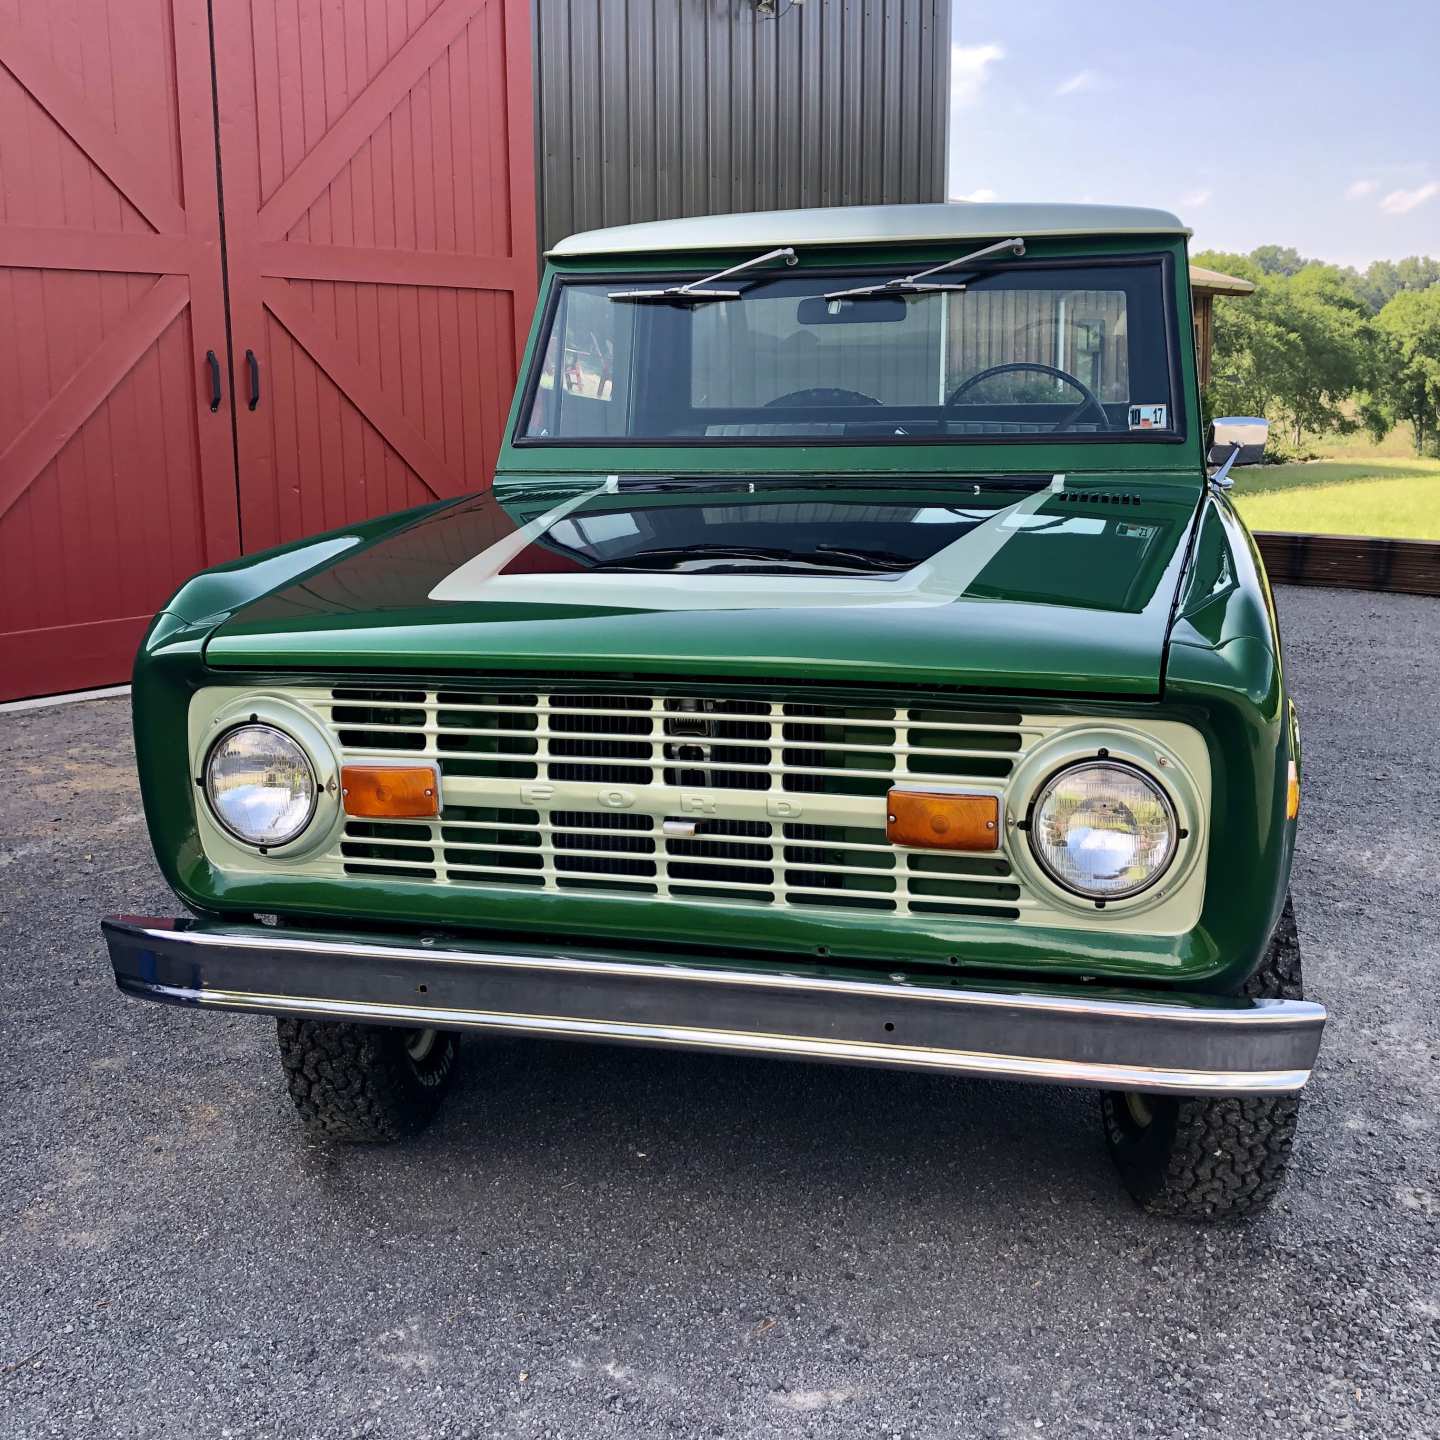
[1103, 830]
[260, 784]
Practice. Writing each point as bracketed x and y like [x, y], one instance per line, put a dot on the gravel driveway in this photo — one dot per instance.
[619, 1243]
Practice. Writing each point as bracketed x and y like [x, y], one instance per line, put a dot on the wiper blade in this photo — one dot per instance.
[920, 283]
[753, 484]
[693, 289]
[661, 483]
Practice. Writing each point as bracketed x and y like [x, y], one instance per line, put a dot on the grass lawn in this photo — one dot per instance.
[1362, 494]
[1399, 444]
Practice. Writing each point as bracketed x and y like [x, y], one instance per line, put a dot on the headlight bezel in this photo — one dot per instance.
[1170, 754]
[1104, 762]
[217, 813]
[217, 715]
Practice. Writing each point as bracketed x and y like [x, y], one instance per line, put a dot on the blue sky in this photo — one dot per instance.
[1313, 124]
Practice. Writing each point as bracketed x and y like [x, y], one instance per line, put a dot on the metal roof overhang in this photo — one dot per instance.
[869, 225]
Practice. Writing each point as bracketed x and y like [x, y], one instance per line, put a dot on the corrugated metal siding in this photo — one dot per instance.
[650, 109]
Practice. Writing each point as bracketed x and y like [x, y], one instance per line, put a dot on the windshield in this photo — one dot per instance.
[1027, 349]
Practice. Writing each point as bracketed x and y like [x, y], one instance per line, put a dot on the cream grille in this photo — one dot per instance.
[768, 803]
[768, 806]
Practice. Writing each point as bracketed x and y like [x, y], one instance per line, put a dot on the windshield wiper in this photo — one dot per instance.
[692, 289]
[917, 284]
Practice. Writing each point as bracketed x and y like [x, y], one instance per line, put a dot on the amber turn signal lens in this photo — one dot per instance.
[1292, 793]
[391, 792]
[941, 820]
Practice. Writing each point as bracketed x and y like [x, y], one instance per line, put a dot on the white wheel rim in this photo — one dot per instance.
[419, 1044]
[1139, 1108]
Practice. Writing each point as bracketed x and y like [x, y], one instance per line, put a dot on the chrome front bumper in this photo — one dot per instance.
[1200, 1045]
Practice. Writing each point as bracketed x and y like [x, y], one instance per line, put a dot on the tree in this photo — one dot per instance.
[1297, 349]
[1407, 386]
[1227, 262]
[1384, 279]
[1279, 259]
[1336, 334]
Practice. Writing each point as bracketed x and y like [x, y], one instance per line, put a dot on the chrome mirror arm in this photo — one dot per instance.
[1220, 479]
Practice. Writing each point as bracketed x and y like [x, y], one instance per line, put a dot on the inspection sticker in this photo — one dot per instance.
[1149, 417]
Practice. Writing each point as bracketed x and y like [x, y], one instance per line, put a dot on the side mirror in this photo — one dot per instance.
[1249, 432]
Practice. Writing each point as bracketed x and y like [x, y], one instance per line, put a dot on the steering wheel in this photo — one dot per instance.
[822, 395]
[1090, 402]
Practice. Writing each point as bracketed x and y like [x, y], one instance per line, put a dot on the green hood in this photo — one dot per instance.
[1009, 583]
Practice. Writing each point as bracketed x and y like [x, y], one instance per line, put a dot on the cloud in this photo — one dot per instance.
[1194, 199]
[977, 197]
[1081, 80]
[1361, 188]
[968, 64]
[1402, 202]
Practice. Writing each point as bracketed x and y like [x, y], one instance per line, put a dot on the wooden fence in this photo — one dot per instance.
[1353, 562]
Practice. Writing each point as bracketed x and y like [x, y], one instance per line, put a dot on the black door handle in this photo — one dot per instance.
[253, 366]
[214, 364]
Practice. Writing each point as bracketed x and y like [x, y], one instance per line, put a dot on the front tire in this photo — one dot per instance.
[1212, 1157]
[365, 1084]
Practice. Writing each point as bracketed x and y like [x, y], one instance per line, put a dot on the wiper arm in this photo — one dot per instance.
[693, 289]
[920, 284]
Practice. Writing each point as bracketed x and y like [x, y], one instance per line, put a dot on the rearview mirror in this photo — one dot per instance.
[1249, 432]
[861, 310]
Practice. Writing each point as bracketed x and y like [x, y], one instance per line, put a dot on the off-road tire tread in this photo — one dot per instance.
[1278, 976]
[1215, 1157]
[357, 1084]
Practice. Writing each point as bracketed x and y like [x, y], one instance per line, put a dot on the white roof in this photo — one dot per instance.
[870, 225]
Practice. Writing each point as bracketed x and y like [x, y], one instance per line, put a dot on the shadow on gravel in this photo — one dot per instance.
[669, 1128]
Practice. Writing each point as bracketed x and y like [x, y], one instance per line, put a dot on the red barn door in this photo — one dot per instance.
[380, 237]
[116, 478]
[378, 185]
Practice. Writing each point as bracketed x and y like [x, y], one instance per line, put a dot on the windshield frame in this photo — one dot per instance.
[1163, 260]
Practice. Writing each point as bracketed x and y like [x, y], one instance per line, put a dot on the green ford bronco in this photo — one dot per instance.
[854, 657]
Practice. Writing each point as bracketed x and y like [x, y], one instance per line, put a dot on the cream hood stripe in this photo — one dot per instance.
[479, 572]
[941, 579]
